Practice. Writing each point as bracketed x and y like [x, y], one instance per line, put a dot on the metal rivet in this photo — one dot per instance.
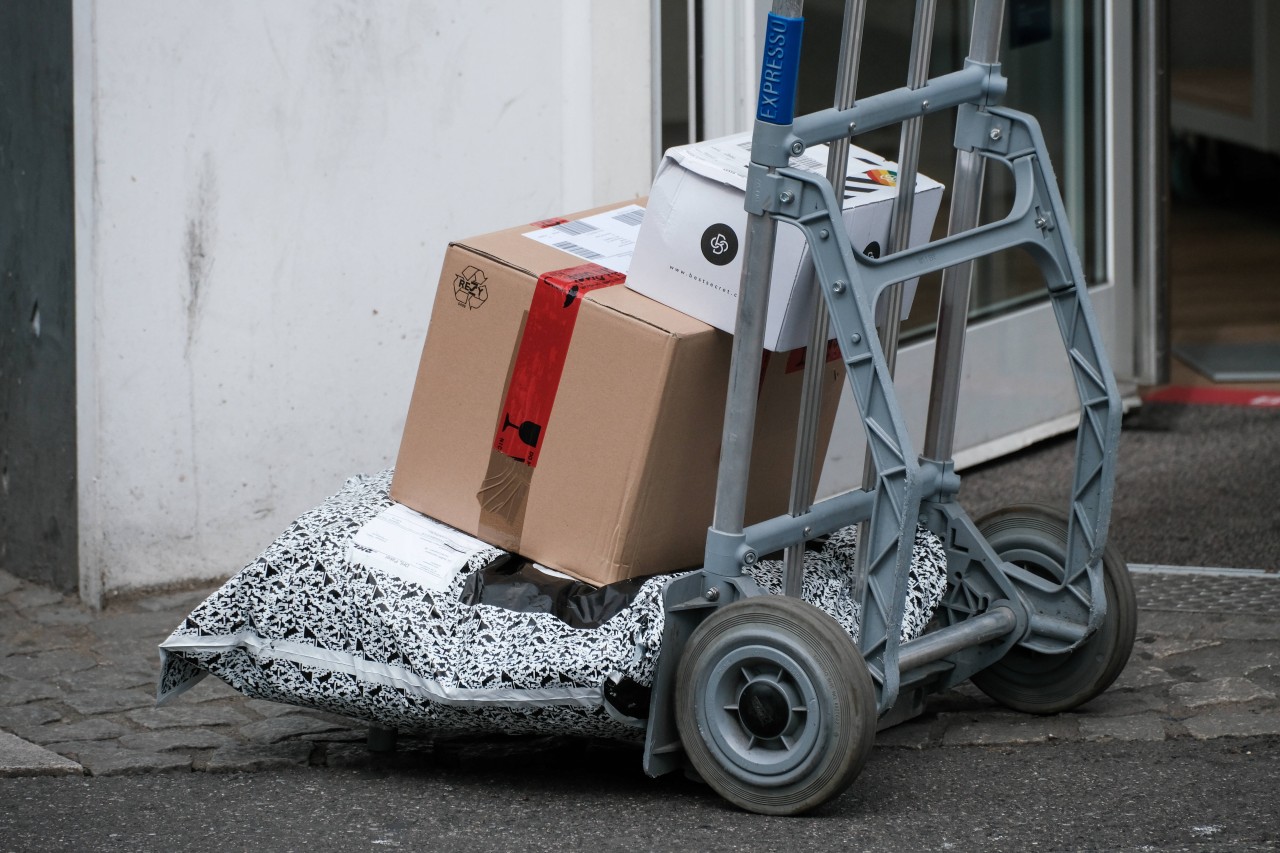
[808, 531]
[797, 147]
[712, 594]
[995, 133]
[785, 196]
[853, 125]
[924, 105]
[824, 234]
[855, 338]
[838, 287]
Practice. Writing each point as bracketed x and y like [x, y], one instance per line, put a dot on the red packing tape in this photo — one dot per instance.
[796, 358]
[539, 362]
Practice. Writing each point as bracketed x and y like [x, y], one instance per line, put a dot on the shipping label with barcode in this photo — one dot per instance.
[607, 239]
[413, 547]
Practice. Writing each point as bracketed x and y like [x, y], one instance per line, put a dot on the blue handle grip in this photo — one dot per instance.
[780, 69]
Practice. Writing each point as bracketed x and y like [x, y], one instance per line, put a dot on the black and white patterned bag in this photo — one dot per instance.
[306, 624]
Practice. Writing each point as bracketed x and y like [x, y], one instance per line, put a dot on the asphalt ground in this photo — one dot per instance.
[1180, 795]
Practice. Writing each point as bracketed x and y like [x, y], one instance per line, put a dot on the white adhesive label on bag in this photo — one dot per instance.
[413, 547]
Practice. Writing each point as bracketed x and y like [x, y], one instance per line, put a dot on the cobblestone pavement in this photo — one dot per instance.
[77, 691]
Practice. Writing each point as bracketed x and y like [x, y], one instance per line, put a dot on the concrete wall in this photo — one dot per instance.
[37, 295]
[264, 192]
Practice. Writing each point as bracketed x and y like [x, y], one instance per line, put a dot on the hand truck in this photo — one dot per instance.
[765, 696]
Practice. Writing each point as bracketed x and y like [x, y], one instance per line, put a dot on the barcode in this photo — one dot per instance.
[575, 228]
[575, 249]
[630, 217]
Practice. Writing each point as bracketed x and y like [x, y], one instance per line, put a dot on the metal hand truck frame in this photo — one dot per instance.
[766, 696]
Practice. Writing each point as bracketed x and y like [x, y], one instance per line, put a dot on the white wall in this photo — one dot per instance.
[264, 194]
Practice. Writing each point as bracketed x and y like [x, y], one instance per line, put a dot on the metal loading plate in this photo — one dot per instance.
[1205, 590]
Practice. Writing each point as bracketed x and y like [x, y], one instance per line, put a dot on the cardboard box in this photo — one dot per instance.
[688, 254]
[577, 422]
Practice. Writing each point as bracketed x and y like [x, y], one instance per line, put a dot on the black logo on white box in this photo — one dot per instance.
[469, 288]
[719, 244]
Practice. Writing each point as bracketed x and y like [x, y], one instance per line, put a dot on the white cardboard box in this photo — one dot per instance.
[688, 254]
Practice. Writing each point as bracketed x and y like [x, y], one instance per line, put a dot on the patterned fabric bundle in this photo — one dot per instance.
[305, 625]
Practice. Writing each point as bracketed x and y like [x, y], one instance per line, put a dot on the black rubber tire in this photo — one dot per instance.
[1036, 682]
[774, 704]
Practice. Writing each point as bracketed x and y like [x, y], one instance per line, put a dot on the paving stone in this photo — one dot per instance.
[170, 739]
[277, 729]
[1221, 660]
[8, 583]
[32, 596]
[1120, 704]
[343, 735]
[43, 666]
[1008, 731]
[1121, 728]
[19, 636]
[24, 716]
[95, 728]
[151, 627]
[132, 651]
[11, 623]
[62, 616]
[210, 689]
[109, 701]
[1219, 691]
[1158, 648]
[251, 757]
[108, 676]
[1233, 723]
[909, 735]
[21, 692]
[1140, 677]
[101, 760]
[1222, 626]
[188, 715]
[23, 758]
[184, 601]
[1267, 675]
[270, 709]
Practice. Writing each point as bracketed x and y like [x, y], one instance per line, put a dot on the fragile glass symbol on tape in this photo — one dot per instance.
[527, 430]
[470, 288]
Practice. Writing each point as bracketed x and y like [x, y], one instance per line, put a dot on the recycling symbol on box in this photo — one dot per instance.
[469, 287]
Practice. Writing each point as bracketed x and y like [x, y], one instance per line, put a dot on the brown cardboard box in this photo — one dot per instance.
[581, 427]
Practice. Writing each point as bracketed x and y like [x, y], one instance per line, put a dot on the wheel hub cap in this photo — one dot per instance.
[764, 709]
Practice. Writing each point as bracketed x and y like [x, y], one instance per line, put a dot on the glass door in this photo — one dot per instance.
[1063, 64]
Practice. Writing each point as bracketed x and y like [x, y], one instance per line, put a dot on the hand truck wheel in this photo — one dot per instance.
[774, 704]
[1034, 538]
